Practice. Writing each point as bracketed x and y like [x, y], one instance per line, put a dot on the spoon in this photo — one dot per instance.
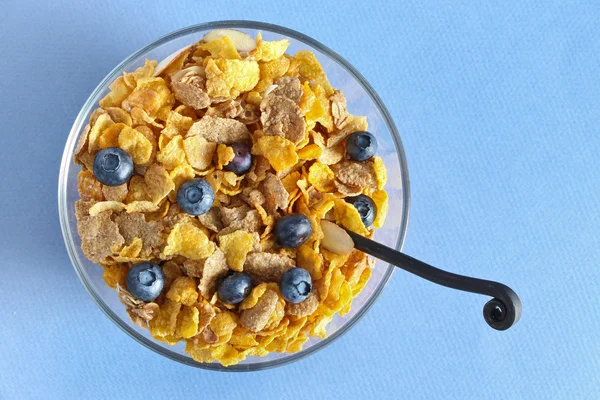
[501, 312]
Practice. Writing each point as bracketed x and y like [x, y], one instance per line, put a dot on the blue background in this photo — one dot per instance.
[498, 106]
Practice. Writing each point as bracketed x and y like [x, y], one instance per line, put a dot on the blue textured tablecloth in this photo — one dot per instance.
[498, 106]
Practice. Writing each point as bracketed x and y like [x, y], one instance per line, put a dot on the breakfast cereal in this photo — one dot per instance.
[204, 189]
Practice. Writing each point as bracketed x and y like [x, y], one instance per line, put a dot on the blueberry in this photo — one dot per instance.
[295, 285]
[113, 166]
[361, 146]
[242, 161]
[195, 196]
[235, 288]
[145, 281]
[366, 208]
[292, 230]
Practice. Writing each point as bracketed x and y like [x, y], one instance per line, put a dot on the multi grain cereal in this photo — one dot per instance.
[222, 143]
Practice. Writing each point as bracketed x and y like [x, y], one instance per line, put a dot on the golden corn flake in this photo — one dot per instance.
[310, 152]
[183, 290]
[380, 172]
[110, 136]
[296, 345]
[319, 327]
[347, 215]
[199, 152]
[159, 214]
[133, 250]
[224, 155]
[322, 107]
[153, 103]
[102, 206]
[181, 174]
[177, 124]
[380, 198]
[115, 274]
[331, 155]
[136, 144]
[165, 323]
[189, 241]
[321, 177]
[187, 322]
[269, 51]
[137, 189]
[223, 323]
[173, 154]
[227, 355]
[254, 296]
[119, 91]
[311, 261]
[222, 48]
[228, 78]
[310, 68]
[289, 181]
[158, 183]
[254, 97]
[102, 123]
[198, 351]
[362, 282]
[269, 71]
[236, 246]
[280, 152]
[88, 187]
[145, 71]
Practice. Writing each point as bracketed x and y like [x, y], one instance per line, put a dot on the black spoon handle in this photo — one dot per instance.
[502, 312]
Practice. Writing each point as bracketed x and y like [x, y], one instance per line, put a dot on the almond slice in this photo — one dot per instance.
[195, 69]
[241, 40]
[269, 89]
[335, 238]
[167, 60]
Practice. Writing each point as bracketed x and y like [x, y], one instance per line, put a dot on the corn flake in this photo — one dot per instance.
[199, 152]
[165, 322]
[89, 188]
[158, 183]
[102, 206]
[119, 91]
[187, 322]
[380, 198]
[279, 151]
[310, 152]
[136, 144]
[189, 241]
[269, 71]
[311, 261]
[225, 155]
[102, 123]
[228, 78]
[114, 275]
[183, 290]
[110, 136]
[380, 172]
[310, 68]
[173, 154]
[236, 246]
[133, 250]
[222, 48]
[269, 51]
[321, 177]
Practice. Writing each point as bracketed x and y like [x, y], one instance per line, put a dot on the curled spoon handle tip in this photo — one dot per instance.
[501, 312]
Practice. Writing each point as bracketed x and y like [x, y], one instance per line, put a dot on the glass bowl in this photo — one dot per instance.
[362, 100]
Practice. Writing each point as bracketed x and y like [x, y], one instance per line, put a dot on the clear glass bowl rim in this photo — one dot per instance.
[67, 160]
